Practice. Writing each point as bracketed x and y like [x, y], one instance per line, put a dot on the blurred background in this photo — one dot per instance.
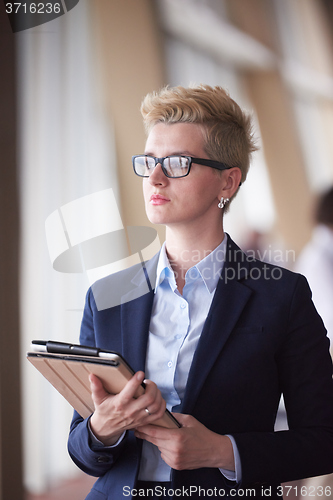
[70, 96]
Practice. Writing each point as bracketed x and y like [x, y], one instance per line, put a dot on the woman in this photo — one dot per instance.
[217, 337]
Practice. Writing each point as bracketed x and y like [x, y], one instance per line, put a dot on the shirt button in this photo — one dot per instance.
[178, 336]
[182, 305]
[103, 459]
[170, 364]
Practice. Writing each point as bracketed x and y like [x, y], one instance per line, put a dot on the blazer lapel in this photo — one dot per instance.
[229, 301]
[136, 313]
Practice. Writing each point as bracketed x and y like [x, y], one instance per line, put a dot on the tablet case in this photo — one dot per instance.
[69, 375]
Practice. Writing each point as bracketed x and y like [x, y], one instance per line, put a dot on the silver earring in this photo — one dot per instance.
[222, 203]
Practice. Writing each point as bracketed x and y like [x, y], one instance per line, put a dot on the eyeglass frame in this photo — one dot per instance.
[200, 161]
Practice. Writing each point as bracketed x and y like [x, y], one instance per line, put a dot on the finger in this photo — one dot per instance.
[153, 433]
[130, 389]
[98, 392]
[141, 434]
[184, 420]
[152, 400]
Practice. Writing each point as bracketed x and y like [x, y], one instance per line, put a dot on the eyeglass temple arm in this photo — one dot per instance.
[213, 164]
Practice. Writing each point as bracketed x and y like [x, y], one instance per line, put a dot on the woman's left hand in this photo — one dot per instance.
[191, 447]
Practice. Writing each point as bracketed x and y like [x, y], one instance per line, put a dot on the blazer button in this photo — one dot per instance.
[103, 460]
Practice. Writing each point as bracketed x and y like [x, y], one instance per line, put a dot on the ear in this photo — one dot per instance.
[231, 181]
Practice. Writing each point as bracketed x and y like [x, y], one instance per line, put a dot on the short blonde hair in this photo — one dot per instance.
[228, 130]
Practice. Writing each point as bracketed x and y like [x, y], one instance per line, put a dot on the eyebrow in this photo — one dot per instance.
[183, 153]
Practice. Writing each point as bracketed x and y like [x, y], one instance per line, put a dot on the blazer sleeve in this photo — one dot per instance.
[305, 377]
[93, 460]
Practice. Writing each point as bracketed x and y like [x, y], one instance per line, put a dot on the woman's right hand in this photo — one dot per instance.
[115, 414]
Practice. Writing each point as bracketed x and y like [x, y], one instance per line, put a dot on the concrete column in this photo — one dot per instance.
[273, 105]
[11, 484]
[130, 62]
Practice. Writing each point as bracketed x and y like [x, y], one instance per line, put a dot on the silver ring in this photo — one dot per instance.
[146, 410]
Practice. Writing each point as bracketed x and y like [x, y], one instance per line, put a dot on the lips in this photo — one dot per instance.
[158, 199]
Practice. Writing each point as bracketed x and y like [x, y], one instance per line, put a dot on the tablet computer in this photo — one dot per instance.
[67, 368]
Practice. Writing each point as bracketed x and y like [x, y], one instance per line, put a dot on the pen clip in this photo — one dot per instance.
[63, 348]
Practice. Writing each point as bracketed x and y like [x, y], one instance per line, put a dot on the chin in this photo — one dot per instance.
[155, 218]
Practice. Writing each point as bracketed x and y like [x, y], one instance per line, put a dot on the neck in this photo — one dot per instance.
[186, 249]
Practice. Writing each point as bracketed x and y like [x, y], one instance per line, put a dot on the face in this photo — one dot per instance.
[190, 200]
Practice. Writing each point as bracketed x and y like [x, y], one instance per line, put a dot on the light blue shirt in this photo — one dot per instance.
[174, 331]
[175, 328]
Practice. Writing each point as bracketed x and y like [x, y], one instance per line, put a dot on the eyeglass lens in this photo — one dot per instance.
[174, 166]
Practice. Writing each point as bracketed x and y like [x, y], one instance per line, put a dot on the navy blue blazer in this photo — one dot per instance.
[262, 338]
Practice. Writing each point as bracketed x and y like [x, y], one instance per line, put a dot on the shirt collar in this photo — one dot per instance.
[209, 268]
[164, 269]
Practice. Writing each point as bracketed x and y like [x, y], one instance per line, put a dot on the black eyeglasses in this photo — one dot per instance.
[173, 166]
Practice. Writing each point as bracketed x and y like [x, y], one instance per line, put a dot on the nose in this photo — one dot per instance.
[157, 176]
